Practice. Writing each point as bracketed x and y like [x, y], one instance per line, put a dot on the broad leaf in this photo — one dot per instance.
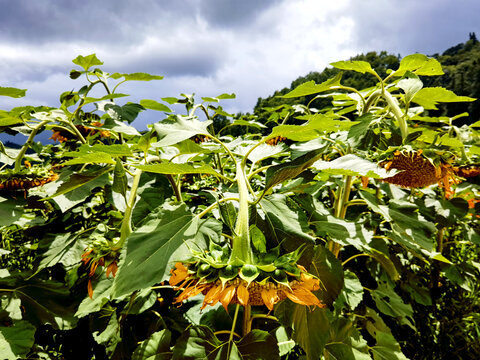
[10, 210]
[16, 340]
[329, 271]
[127, 112]
[352, 292]
[102, 291]
[176, 169]
[289, 170]
[12, 92]
[44, 301]
[184, 128]
[86, 62]
[120, 181]
[136, 77]
[345, 342]
[152, 249]
[258, 344]
[197, 342]
[429, 97]
[310, 328]
[154, 105]
[389, 303]
[310, 87]
[352, 165]
[354, 65]
[156, 347]
[420, 64]
[282, 221]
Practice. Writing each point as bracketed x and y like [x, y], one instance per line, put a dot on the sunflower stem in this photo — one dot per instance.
[23, 150]
[126, 228]
[241, 249]
[247, 319]
[235, 317]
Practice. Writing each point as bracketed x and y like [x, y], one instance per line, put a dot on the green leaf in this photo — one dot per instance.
[429, 97]
[390, 303]
[285, 343]
[77, 188]
[115, 150]
[309, 88]
[16, 340]
[152, 248]
[226, 96]
[282, 220]
[197, 342]
[154, 105]
[354, 65]
[387, 348]
[90, 158]
[184, 128]
[352, 165]
[345, 342]
[352, 292]
[316, 126]
[279, 173]
[89, 100]
[176, 169]
[258, 239]
[120, 181]
[127, 112]
[344, 232]
[310, 328]
[9, 120]
[258, 344]
[86, 62]
[136, 77]
[102, 290]
[251, 123]
[410, 86]
[44, 301]
[64, 249]
[386, 264]
[329, 271]
[10, 210]
[156, 347]
[110, 337]
[420, 64]
[409, 228]
[120, 127]
[12, 92]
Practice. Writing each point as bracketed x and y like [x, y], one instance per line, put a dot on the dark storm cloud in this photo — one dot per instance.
[233, 13]
[411, 26]
[87, 20]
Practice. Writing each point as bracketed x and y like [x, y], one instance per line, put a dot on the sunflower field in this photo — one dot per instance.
[348, 232]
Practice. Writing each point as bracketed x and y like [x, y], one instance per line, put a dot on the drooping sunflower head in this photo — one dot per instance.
[28, 177]
[100, 253]
[248, 284]
[417, 171]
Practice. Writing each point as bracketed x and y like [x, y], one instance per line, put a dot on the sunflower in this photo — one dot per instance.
[27, 178]
[239, 291]
[92, 258]
[416, 171]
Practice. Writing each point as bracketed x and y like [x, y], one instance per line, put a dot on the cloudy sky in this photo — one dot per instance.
[208, 47]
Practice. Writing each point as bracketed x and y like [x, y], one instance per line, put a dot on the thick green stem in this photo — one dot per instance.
[126, 228]
[176, 187]
[397, 112]
[23, 150]
[241, 249]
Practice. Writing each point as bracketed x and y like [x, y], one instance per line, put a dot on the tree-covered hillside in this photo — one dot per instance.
[461, 64]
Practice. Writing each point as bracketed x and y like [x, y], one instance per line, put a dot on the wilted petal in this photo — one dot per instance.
[226, 296]
[212, 296]
[179, 273]
[309, 282]
[269, 297]
[303, 296]
[90, 289]
[189, 292]
[242, 295]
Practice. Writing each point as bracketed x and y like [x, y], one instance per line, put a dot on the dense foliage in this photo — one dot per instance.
[347, 230]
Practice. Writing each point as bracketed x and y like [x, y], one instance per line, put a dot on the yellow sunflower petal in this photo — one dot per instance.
[179, 273]
[269, 297]
[242, 295]
[303, 296]
[212, 296]
[226, 296]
